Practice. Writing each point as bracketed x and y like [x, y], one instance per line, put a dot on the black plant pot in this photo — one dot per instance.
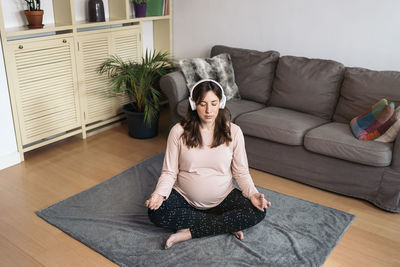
[138, 128]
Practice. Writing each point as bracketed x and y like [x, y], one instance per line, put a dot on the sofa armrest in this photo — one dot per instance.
[396, 153]
[173, 85]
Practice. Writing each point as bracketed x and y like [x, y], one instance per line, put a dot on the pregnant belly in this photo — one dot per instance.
[204, 191]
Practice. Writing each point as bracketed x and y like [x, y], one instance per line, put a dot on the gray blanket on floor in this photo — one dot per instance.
[111, 219]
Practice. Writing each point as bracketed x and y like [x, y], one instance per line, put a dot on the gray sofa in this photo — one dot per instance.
[295, 113]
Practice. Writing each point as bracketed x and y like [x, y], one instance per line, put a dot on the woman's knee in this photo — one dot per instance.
[258, 215]
[261, 215]
[156, 216]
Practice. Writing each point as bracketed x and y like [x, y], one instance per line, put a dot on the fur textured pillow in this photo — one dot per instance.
[391, 134]
[218, 68]
[374, 122]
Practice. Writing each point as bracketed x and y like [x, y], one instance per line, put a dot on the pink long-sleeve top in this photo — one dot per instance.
[203, 176]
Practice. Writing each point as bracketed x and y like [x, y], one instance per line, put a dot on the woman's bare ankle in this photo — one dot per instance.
[239, 235]
[179, 236]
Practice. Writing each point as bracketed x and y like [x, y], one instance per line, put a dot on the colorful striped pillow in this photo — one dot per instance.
[374, 122]
[391, 134]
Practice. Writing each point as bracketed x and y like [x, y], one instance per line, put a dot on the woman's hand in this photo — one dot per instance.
[259, 201]
[154, 202]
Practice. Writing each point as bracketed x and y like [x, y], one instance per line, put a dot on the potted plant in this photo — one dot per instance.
[34, 14]
[140, 8]
[140, 81]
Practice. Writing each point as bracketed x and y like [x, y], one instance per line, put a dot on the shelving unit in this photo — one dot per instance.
[55, 90]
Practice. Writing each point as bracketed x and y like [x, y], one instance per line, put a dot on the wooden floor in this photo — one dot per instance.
[60, 170]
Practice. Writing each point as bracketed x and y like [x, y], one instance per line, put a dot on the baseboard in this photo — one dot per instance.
[9, 160]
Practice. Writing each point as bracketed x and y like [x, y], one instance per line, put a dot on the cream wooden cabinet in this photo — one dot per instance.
[128, 46]
[45, 87]
[96, 99]
[55, 90]
[93, 48]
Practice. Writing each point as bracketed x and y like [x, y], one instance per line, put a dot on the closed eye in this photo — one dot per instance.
[214, 103]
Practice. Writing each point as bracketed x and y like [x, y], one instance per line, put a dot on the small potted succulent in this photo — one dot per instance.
[140, 81]
[140, 8]
[34, 14]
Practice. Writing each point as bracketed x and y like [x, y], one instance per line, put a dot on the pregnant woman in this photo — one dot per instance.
[195, 195]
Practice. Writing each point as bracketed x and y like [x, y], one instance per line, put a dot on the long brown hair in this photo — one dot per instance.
[191, 124]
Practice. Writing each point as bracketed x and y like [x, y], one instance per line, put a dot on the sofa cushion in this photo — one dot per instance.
[278, 124]
[362, 88]
[307, 85]
[336, 140]
[218, 68]
[235, 106]
[238, 107]
[254, 71]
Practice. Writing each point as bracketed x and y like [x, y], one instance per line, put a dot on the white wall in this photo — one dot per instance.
[8, 146]
[362, 33]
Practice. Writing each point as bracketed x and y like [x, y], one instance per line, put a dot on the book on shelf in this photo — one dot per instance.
[154, 8]
[166, 8]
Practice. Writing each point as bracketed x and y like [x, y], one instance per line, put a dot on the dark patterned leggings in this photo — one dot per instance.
[233, 214]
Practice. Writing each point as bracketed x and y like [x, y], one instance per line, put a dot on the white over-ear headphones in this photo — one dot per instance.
[193, 103]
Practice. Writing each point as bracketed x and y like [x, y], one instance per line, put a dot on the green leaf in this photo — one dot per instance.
[139, 80]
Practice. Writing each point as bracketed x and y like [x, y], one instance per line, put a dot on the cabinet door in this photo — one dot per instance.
[126, 44]
[97, 100]
[99, 103]
[44, 83]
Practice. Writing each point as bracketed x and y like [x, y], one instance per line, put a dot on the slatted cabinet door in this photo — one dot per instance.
[126, 43]
[99, 103]
[97, 100]
[45, 86]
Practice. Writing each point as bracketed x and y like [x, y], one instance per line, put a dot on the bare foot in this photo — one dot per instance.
[179, 236]
[239, 235]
